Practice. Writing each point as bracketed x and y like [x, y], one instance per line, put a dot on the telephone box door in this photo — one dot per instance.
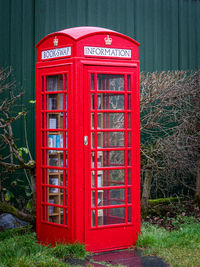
[110, 143]
[54, 203]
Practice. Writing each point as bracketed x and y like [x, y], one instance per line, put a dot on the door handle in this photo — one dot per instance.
[85, 140]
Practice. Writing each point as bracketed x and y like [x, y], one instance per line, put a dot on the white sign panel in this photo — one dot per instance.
[107, 52]
[56, 53]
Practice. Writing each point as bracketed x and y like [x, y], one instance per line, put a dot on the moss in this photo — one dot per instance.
[159, 201]
[6, 208]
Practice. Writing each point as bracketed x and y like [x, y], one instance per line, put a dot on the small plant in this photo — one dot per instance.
[65, 251]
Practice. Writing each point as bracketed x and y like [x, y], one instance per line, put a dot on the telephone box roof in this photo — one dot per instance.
[77, 33]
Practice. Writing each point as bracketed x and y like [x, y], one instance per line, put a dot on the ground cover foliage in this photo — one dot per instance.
[171, 230]
[170, 213]
[180, 247]
[20, 248]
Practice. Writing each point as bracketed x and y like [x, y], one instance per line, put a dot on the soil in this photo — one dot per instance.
[171, 216]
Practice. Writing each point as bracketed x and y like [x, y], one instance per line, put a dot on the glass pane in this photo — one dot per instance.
[110, 158]
[61, 125]
[110, 120]
[128, 101]
[54, 83]
[54, 180]
[42, 83]
[43, 123]
[93, 198]
[55, 140]
[129, 215]
[92, 101]
[129, 195]
[93, 218]
[111, 197]
[65, 77]
[55, 120]
[43, 102]
[100, 217]
[110, 82]
[128, 120]
[55, 196]
[128, 82]
[92, 120]
[99, 159]
[100, 199]
[129, 158]
[66, 216]
[111, 139]
[92, 140]
[92, 178]
[129, 139]
[110, 101]
[43, 157]
[43, 212]
[55, 159]
[92, 160]
[99, 178]
[55, 214]
[99, 140]
[111, 216]
[44, 171]
[66, 160]
[55, 177]
[110, 178]
[92, 81]
[100, 120]
[55, 101]
[129, 177]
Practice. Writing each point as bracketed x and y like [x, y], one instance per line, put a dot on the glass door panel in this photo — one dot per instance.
[54, 121]
[110, 100]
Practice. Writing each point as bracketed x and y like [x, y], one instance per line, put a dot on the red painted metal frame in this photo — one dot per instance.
[78, 68]
[121, 238]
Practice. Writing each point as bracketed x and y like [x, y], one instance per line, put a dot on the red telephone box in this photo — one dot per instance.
[88, 168]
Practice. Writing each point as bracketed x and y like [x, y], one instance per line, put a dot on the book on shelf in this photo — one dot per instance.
[61, 102]
[100, 213]
[56, 141]
[99, 179]
[53, 170]
[51, 208]
[52, 103]
[53, 161]
[53, 122]
[53, 181]
[99, 101]
[52, 83]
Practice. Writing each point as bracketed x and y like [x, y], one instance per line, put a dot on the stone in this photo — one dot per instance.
[8, 221]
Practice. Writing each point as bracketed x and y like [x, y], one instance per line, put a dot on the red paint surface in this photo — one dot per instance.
[76, 70]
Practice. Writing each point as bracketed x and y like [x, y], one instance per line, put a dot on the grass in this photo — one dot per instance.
[180, 247]
[24, 251]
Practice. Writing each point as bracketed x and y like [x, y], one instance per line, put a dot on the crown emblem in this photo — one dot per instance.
[55, 41]
[108, 40]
